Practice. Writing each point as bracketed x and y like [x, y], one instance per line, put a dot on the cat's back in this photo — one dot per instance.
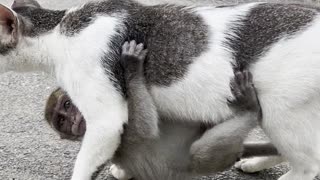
[236, 37]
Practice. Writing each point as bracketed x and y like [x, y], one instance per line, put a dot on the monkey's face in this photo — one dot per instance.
[67, 119]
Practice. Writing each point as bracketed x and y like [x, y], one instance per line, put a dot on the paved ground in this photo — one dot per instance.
[29, 150]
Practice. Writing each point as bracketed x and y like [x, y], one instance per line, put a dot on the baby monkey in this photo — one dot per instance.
[64, 117]
[175, 151]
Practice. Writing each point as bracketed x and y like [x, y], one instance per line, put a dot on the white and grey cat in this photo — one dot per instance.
[193, 52]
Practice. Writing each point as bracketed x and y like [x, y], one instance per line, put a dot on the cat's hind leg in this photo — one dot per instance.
[295, 133]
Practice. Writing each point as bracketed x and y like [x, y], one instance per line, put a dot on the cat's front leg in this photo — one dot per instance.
[100, 142]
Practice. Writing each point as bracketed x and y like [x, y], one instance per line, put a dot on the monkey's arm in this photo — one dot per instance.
[220, 146]
[143, 116]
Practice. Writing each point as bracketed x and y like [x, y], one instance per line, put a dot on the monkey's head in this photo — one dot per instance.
[64, 117]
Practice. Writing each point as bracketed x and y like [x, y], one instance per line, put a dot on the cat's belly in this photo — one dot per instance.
[202, 93]
[287, 77]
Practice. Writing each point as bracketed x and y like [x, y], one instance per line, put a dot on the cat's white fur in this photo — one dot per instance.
[82, 76]
[287, 78]
[75, 61]
[258, 163]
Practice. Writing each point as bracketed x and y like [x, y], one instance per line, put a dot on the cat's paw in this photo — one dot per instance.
[248, 165]
[119, 173]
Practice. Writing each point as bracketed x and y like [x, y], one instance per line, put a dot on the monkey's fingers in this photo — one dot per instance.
[125, 47]
[234, 88]
[241, 79]
[132, 47]
[250, 78]
[143, 54]
[139, 49]
[239, 98]
[251, 100]
[244, 83]
[247, 79]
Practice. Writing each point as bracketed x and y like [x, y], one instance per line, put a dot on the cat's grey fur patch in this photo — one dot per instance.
[173, 35]
[111, 62]
[81, 18]
[42, 20]
[24, 3]
[225, 6]
[264, 26]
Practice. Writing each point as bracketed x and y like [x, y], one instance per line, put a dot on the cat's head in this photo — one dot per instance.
[25, 18]
[9, 29]
[13, 25]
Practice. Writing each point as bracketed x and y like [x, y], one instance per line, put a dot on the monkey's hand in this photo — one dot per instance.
[132, 59]
[244, 92]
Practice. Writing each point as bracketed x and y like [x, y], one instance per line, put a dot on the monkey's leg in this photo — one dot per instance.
[220, 147]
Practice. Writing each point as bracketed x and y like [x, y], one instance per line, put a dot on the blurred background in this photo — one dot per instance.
[29, 150]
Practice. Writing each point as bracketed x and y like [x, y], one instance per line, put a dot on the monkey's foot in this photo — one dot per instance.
[119, 173]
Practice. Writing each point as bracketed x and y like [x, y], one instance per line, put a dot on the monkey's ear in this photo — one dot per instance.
[25, 3]
[8, 26]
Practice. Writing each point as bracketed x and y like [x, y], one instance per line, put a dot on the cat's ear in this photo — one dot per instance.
[8, 26]
[25, 3]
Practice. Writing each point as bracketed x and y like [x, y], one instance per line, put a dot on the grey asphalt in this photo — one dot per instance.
[29, 150]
